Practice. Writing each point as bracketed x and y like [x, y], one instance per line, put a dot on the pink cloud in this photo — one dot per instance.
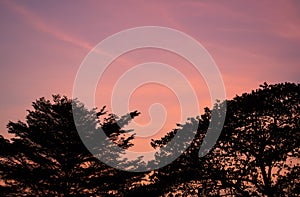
[40, 25]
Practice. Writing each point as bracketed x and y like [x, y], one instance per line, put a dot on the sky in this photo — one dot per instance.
[42, 45]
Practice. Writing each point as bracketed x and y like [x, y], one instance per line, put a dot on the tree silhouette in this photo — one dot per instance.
[46, 155]
[254, 154]
[261, 141]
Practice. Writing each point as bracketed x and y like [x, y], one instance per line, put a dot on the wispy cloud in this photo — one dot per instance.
[36, 22]
[40, 25]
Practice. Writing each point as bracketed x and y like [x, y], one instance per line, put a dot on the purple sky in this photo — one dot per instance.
[43, 43]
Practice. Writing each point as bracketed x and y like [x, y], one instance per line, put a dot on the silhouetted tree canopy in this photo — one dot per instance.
[46, 155]
[257, 153]
[260, 147]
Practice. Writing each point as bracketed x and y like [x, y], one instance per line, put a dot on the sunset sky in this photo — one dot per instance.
[43, 45]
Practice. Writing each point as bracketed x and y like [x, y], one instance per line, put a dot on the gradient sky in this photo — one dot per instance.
[43, 45]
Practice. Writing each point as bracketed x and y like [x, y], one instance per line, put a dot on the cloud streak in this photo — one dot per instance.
[37, 23]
